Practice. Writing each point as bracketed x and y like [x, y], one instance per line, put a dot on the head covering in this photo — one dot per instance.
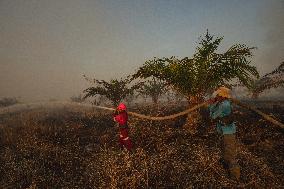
[121, 106]
[223, 92]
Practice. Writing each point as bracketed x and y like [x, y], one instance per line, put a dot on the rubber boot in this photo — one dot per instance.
[235, 172]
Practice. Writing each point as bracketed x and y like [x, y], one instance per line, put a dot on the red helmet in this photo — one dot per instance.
[121, 106]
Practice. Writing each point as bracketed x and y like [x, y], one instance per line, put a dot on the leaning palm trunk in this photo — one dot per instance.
[155, 99]
[193, 118]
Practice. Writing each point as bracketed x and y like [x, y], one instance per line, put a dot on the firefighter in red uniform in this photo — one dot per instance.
[121, 117]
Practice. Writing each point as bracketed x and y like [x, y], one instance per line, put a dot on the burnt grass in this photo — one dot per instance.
[63, 149]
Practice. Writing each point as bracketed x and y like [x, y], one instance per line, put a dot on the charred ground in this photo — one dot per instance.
[63, 149]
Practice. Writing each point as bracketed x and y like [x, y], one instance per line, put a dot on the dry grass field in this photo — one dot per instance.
[60, 148]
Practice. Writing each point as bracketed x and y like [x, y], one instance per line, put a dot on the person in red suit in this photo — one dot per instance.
[121, 117]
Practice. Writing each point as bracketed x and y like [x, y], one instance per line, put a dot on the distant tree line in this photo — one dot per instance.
[8, 101]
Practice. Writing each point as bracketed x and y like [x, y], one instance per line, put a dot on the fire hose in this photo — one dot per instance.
[173, 116]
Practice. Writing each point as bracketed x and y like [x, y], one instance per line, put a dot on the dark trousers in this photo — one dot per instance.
[229, 152]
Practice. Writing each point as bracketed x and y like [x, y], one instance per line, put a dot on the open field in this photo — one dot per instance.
[60, 147]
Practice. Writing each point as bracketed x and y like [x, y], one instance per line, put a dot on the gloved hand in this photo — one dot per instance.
[214, 121]
[211, 100]
[116, 112]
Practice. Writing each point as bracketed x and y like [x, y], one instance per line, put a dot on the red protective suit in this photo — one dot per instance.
[124, 139]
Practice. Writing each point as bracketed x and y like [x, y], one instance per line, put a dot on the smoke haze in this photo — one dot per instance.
[46, 46]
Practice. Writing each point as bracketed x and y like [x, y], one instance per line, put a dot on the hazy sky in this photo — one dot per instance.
[47, 45]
